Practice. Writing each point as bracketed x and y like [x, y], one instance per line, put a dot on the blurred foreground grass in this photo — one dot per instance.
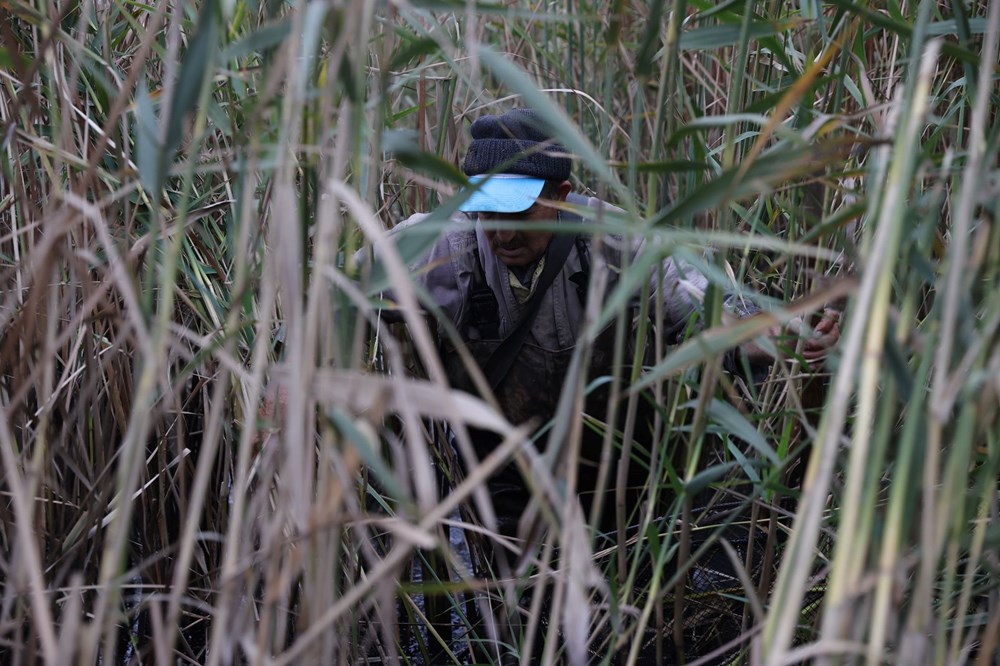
[184, 187]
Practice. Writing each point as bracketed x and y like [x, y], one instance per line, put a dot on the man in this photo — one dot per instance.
[516, 292]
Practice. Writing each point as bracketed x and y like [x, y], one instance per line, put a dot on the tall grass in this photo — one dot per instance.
[185, 190]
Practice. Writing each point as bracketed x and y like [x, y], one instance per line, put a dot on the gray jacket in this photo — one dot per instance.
[447, 272]
[530, 388]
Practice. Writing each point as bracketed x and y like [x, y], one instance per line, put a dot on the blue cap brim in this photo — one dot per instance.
[502, 193]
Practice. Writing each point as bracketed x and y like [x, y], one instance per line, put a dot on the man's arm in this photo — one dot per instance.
[444, 270]
[682, 289]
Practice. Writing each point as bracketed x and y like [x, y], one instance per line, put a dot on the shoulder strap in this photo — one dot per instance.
[484, 315]
[503, 356]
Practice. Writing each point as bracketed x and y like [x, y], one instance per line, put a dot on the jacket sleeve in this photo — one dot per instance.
[679, 285]
[445, 270]
[682, 289]
[676, 290]
[446, 273]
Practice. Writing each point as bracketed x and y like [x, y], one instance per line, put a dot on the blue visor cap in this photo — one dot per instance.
[502, 193]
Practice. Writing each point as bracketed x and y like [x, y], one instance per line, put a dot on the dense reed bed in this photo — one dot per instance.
[188, 197]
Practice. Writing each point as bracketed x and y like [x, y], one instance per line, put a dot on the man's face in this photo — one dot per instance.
[523, 245]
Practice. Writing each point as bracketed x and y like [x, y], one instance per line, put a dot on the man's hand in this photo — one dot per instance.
[824, 335]
[818, 340]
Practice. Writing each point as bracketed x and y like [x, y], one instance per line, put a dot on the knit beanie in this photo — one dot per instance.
[515, 143]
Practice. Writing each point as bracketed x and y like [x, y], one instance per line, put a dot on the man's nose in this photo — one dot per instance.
[505, 235]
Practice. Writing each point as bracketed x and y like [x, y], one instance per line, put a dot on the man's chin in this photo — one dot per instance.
[515, 257]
